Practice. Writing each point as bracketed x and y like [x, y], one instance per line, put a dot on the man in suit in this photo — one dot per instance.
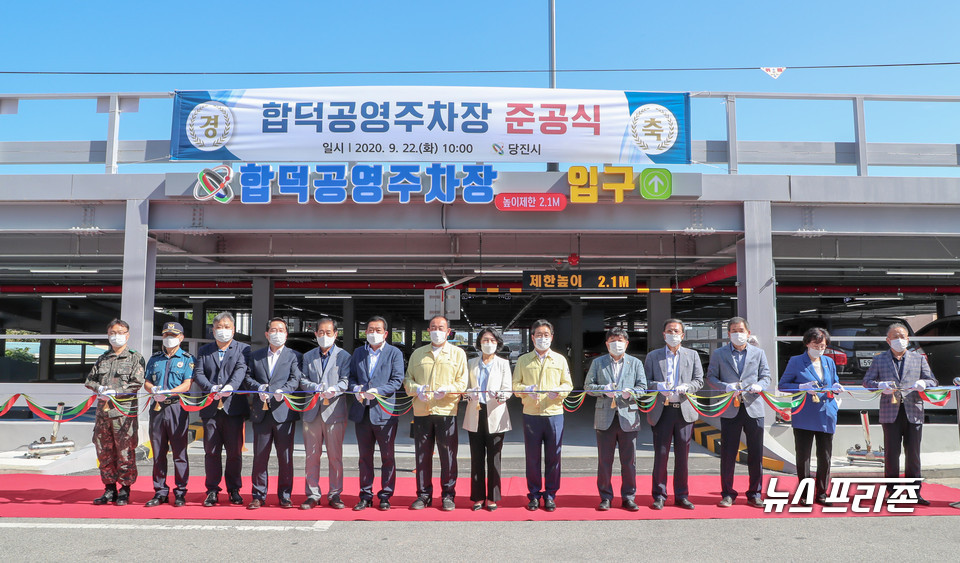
[675, 371]
[616, 379]
[326, 370]
[376, 369]
[273, 371]
[220, 369]
[900, 374]
[436, 377]
[542, 379]
[742, 368]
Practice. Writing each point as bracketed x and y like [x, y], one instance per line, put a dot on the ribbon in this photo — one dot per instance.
[936, 397]
[575, 401]
[49, 414]
[6, 406]
[392, 409]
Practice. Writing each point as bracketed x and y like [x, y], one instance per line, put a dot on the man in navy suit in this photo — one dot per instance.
[273, 371]
[326, 370]
[740, 367]
[375, 369]
[220, 369]
[900, 373]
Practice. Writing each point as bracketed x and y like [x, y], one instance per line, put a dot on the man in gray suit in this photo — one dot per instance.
[900, 373]
[326, 370]
[676, 371]
[742, 368]
[616, 379]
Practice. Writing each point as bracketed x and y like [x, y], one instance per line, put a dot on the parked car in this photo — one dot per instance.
[853, 358]
[944, 357]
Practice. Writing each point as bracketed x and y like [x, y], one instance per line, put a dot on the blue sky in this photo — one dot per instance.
[285, 35]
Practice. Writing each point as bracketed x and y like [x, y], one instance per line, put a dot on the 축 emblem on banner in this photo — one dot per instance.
[209, 126]
[653, 128]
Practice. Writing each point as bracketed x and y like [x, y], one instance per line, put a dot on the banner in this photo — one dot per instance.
[418, 123]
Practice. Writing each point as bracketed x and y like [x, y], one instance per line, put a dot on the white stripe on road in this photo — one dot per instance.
[318, 526]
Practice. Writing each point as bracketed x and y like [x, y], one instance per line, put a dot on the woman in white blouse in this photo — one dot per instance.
[487, 419]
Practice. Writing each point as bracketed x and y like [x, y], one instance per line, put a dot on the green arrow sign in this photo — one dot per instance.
[656, 183]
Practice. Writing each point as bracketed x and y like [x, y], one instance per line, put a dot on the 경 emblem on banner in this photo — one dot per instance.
[214, 183]
[209, 126]
[654, 128]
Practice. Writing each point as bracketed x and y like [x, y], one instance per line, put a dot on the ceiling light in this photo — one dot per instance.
[805, 311]
[63, 270]
[496, 271]
[921, 272]
[64, 296]
[879, 298]
[321, 270]
[603, 297]
[212, 297]
[327, 297]
[861, 304]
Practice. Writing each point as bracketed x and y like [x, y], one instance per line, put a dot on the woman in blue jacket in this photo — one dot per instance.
[817, 375]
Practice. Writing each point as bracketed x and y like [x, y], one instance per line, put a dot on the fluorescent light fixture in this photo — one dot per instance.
[878, 298]
[211, 297]
[327, 297]
[64, 296]
[921, 272]
[63, 270]
[861, 304]
[805, 311]
[603, 297]
[496, 271]
[321, 270]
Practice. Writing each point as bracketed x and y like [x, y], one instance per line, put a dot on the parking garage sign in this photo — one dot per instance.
[417, 124]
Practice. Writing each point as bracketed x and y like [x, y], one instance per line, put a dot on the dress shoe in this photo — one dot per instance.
[179, 500]
[421, 503]
[364, 503]
[308, 504]
[629, 504]
[123, 495]
[447, 505]
[235, 498]
[109, 495]
[211, 499]
[384, 504]
[549, 505]
[922, 501]
[604, 505]
[755, 502]
[477, 506]
[491, 506]
[286, 503]
[804, 502]
[822, 501]
[335, 502]
[255, 504]
[657, 504]
[726, 502]
[157, 501]
[533, 505]
[684, 503]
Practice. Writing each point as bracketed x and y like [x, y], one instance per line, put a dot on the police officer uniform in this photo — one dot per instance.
[168, 425]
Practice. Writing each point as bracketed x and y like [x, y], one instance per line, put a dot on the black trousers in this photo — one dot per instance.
[803, 440]
[729, 446]
[442, 431]
[369, 436]
[265, 434]
[671, 428]
[485, 448]
[223, 432]
[901, 432]
[168, 432]
[609, 440]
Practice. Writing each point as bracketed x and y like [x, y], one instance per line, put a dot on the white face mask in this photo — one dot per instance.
[325, 341]
[278, 338]
[542, 343]
[438, 337]
[738, 338]
[171, 341]
[617, 347]
[374, 338]
[118, 340]
[814, 353]
[898, 344]
[223, 334]
[488, 348]
[672, 340]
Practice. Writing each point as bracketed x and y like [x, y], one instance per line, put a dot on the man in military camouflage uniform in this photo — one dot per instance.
[169, 371]
[117, 373]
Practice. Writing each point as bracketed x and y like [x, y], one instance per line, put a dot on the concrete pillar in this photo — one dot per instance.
[48, 325]
[408, 333]
[198, 328]
[576, 343]
[349, 325]
[138, 273]
[262, 310]
[947, 306]
[658, 311]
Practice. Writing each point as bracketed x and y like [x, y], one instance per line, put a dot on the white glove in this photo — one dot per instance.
[530, 389]
[441, 392]
[664, 388]
[683, 389]
[262, 388]
[731, 387]
[886, 387]
[216, 388]
[627, 394]
[553, 395]
[610, 390]
[754, 388]
[473, 394]
[330, 393]
[422, 393]
[264, 397]
[808, 386]
[101, 389]
[500, 397]
[226, 391]
[278, 395]
[371, 394]
[837, 388]
[109, 392]
[159, 394]
[956, 381]
[920, 385]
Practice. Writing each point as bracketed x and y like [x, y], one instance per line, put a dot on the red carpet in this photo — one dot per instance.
[43, 496]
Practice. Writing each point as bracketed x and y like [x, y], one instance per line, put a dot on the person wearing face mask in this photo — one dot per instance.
[487, 420]
[816, 374]
[675, 371]
[740, 367]
[900, 373]
[616, 379]
[220, 369]
[168, 373]
[326, 370]
[542, 379]
[436, 378]
[118, 371]
[376, 370]
[273, 372]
